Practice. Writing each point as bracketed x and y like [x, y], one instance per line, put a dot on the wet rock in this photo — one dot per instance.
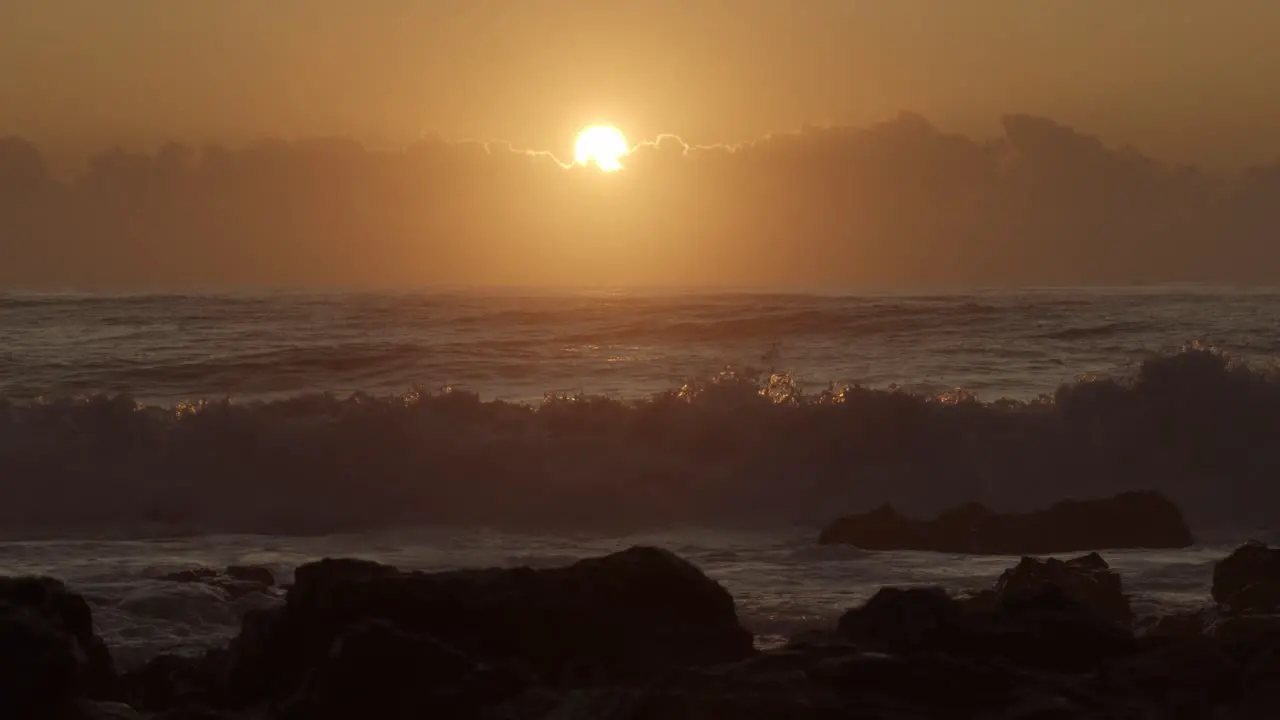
[1127, 520]
[1248, 580]
[237, 581]
[191, 575]
[624, 615]
[251, 574]
[1087, 580]
[49, 653]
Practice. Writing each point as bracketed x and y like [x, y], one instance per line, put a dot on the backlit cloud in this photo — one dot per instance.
[897, 203]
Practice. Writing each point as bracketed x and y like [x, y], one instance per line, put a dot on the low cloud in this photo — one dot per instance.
[898, 203]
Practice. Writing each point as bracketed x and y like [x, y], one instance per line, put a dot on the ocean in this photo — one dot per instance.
[145, 433]
[520, 346]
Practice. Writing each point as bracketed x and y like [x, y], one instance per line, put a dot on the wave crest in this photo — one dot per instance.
[740, 448]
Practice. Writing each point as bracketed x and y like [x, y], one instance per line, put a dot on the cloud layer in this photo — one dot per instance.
[895, 204]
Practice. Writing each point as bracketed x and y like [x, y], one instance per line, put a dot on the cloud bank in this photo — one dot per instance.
[895, 204]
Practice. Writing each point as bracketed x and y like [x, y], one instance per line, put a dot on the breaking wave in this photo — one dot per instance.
[739, 449]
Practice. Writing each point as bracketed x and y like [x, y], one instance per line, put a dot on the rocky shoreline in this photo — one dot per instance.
[642, 634]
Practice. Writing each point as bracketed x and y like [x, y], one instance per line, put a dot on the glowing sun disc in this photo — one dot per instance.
[602, 145]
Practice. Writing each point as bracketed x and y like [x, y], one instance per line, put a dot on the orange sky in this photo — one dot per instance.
[1181, 79]
[1015, 168]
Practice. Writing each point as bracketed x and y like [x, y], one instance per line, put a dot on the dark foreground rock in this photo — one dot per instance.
[170, 682]
[1248, 580]
[49, 653]
[354, 632]
[1128, 520]
[1086, 580]
[1149, 682]
[642, 635]
[1045, 631]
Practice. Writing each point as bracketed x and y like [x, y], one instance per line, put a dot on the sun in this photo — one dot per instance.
[602, 145]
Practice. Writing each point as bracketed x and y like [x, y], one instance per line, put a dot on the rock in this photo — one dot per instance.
[237, 581]
[813, 686]
[101, 711]
[49, 653]
[1178, 625]
[375, 669]
[199, 713]
[1043, 628]
[191, 575]
[896, 620]
[168, 682]
[1127, 520]
[1087, 580]
[1047, 614]
[1248, 580]
[251, 574]
[1050, 630]
[880, 529]
[1245, 628]
[624, 615]
[813, 638]
[1260, 598]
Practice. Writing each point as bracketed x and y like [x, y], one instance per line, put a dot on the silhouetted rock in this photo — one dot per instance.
[1248, 580]
[1043, 628]
[1128, 520]
[236, 581]
[1050, 630]
[1245, 628]
[191, 575]
[1087, 580]
[624, 615]
[642, 635]
[251, 573]
[1192, 678]
[376, 669]
[49, 653]
[169, 682]
[809, 685]
[1178, 625]
[897, 620]
[98, 711]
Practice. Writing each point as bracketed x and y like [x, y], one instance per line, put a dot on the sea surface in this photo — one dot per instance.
[520, 346]
[142, 433]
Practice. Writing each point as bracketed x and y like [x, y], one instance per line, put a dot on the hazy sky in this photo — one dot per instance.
[1181, 79]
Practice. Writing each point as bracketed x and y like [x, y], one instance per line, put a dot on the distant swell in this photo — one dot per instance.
[1092, 331]
[732, 451]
